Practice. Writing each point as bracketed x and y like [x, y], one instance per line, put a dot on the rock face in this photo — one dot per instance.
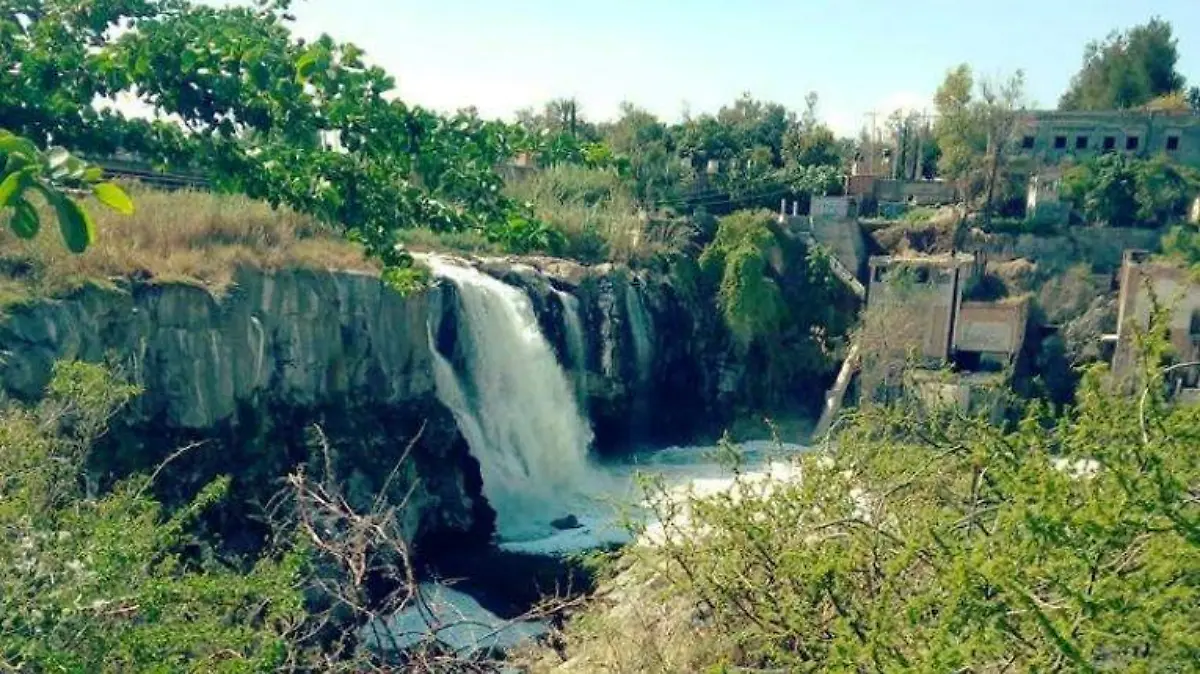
[252, 374]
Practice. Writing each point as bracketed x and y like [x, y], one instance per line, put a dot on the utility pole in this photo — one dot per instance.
[871, 143]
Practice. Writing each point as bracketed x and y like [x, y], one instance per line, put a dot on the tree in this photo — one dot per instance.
[1126, 70]
[916, 155]
[1122, 191]
[251, 104]
[999, 109]
[654, 170]
[808, 142]
[975, 132]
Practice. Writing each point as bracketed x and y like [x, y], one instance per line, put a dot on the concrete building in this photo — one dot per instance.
[1050, 137]
[924, 310]
[926, 290]
[1174, 288]
[874, 191]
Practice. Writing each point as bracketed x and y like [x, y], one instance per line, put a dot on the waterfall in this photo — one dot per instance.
[639, 328]
[576, 349]
[512, 403]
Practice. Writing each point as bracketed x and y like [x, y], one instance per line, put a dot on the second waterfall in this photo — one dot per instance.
[513, 403]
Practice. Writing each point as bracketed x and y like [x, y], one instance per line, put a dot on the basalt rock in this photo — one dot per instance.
[329, 369]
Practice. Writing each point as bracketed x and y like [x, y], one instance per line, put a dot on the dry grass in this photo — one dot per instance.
[597, 216]
[193, 237]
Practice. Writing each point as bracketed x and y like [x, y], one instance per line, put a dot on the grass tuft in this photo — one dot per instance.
[193, 237]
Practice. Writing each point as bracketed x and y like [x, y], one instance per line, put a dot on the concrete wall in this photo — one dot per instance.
[1051, 137]
[919, 192]
[1101, 246]
[991, 327]
[832, 207]
[1176, 290]
[842, 237]
[928, 295]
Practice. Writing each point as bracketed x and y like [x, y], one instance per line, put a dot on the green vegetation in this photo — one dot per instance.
[107, 583]
[780, 300]
[192, 237]
[1182, 245]
[1126, 70]
[1123, 192]
[928, 540]
[975, 129]
[24, 169]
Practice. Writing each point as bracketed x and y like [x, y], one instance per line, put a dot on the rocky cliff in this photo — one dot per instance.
[252, 374]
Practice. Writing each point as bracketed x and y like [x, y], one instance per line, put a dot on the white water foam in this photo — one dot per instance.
[692, 470]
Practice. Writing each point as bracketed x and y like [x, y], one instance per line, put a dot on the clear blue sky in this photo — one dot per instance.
[858, 55]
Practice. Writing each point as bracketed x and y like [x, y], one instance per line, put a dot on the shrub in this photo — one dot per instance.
[1120, 191]
[930, 540]
[1182, 244]
[779, 299]
[96, 584]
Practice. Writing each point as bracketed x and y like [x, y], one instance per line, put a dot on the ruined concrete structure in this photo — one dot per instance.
[925, 308]
[878, 190]
[1050, 137]
[928, 289]
[1144, 283]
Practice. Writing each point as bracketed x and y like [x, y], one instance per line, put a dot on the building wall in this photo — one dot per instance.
[1175, 289]
[991, 327]
[1051, 137]
[919, 192]
[929, 298]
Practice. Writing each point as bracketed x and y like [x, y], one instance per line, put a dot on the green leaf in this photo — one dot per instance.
[25, 220]
[10, 186]
[77, 228]
[11, 144]
[305, 64]
[13, 185]
[93, 174]
[114, 197]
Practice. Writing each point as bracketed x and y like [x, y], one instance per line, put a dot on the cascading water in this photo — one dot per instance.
[576, 348]
[639, 328]
[513, 404]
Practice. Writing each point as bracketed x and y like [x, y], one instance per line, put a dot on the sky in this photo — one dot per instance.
[860, 56]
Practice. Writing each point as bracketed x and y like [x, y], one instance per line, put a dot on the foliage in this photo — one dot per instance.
[1182, 244]
[102, 583]
[310, 126]
[975, 129]
[588, 214]
[931, 540]
[1126, 70]
[519, 234]
[749, 296]
[1124, 191]
[779, 298]
[55, 175]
